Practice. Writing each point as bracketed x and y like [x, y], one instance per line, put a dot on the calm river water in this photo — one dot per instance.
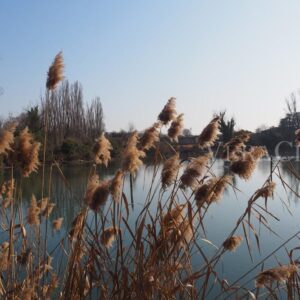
[220, 220]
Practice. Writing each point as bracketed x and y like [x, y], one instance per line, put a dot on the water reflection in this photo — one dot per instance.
[68, 185]
[68, 191]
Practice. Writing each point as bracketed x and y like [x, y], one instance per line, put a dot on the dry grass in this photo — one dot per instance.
[102, 150]
[106, 254]
[55, 72]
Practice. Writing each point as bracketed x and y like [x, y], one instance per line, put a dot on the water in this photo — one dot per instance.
[67, 193]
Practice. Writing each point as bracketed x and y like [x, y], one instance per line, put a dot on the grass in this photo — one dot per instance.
[108, 257]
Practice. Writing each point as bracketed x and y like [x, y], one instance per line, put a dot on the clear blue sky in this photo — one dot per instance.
[242, 56]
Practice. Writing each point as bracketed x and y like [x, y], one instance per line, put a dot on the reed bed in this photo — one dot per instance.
[104, 256]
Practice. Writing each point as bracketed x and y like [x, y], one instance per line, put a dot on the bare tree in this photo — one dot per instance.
[292, 118]
[68, 117]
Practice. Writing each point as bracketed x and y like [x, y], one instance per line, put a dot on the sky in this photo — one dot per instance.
[242, 56]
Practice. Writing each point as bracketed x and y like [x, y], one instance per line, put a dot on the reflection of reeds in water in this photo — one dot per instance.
[107, 254]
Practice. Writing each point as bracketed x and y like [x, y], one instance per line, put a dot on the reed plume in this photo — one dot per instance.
[42, 204]
[27, 152]
[232, 243]
[7, 190]
[176, 128]
[150, 137]
[194, 170]
[236, 145]
[7, 138]
[173, 218]
[101, 149]
[55, 72]
[170, 170]
[212, 190]
[116, 186]
[258, 152]
[185, 233]
[77, 225]
[33, 212]
[48, 210]
[4, 256]
[209, 134]
[169, 112]
[132, 155]
[245, 166]
[97, 192]
[266, 191]
[56, 224]
[108, 236]
[278, 274]
[175, 228]
[100, 195]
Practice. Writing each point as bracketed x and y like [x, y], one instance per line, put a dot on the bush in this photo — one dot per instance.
[74, 150]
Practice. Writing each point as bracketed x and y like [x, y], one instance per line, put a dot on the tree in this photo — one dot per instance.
[226, 127]
[292, 117]
[66, 116]
[261, 128]
[187, 132]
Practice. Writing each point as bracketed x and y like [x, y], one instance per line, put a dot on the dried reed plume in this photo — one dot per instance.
[56, 224]
[4, 256]
[176, 128]
[185, 232]
[116, 186]
[132, 155]
[232, 243]
[97, 193]
[150, 137]
[176, 228]
[33, 212]
[7, 189]
[102, 150]
[28, 152]
[195, 168]
[108, 236]
[48, 210]
[236, 145]
[258, 152]
[245, 166]
[170, 170]
[212, 190]
[266, 191]
[77, 225]
[169, 112]
[55, 72]
[278, 274]
[7, 138]
[42, 204]
[210, 133]
[173, 218]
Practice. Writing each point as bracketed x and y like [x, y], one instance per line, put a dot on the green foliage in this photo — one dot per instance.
[74, 150]
[226, 127]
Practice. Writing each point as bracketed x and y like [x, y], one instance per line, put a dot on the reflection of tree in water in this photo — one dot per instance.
[290, 178]
[67, 190]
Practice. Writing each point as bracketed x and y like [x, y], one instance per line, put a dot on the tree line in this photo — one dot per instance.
[71, 124]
